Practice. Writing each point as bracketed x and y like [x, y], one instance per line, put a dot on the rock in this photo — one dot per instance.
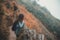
[30, 34]
[40, 36]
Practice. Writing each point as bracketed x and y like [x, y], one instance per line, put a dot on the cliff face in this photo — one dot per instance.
[30, 20]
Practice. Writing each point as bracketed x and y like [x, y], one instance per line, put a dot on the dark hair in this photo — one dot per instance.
[21, 16]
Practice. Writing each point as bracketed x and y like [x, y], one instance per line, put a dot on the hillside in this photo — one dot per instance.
[30, 20]
[42, 13]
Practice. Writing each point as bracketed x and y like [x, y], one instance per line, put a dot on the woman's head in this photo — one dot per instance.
[21, 17]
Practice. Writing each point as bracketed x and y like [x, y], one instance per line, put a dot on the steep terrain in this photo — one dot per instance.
[30, 20]
[42, 13]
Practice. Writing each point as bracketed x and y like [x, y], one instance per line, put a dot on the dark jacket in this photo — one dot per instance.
[16, 28]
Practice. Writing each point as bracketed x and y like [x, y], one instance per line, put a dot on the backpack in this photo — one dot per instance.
[14, 26]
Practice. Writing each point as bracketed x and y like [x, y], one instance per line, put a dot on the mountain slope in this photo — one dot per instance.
[30, 20]
[50, 22]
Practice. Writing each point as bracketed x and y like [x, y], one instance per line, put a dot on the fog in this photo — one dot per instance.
[52, 5]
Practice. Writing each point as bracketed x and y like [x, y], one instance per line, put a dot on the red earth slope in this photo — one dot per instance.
[30, 20]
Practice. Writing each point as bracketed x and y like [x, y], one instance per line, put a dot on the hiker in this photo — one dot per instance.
[18, 25]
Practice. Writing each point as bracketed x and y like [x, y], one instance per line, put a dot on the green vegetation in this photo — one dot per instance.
[48, 38]
[50, 22]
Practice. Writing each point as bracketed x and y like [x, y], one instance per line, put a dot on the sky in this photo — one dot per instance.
[52, 5]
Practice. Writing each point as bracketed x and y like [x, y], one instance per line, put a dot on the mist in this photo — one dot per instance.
[52, 5]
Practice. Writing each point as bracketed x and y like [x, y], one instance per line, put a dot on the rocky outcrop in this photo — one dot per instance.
[30, 34]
